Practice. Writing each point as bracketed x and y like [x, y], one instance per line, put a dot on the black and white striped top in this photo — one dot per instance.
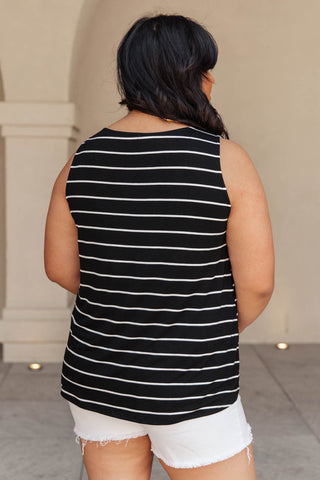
[154, 332]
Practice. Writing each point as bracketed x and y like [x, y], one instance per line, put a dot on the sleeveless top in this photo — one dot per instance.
[154, 332]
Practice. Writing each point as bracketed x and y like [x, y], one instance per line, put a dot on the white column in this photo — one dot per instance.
[39, 139]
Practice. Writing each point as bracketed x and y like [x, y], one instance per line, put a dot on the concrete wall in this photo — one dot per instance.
[267, 90]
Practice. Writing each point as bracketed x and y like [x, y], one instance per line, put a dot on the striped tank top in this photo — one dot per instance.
[154, 333]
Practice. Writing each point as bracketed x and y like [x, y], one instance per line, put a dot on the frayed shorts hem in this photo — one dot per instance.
[104, 441]
[215, 459]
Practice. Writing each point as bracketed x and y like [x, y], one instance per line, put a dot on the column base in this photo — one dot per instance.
[34, 335]
[33, 352]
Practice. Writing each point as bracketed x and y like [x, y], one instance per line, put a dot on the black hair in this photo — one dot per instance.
[161, 61]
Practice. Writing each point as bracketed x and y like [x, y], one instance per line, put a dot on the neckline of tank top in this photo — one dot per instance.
[165, 132]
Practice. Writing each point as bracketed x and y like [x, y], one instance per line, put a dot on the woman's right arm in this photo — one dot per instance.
[249, 234]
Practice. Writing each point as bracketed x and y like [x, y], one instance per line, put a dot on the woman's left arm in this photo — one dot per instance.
[61, 254]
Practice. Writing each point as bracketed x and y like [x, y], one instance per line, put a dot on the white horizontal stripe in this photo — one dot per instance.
[207, 133]
[169, 167]
[143, 411]
[173, 324]
[158, 309]
[186, 295]
[139, 367]
[152, 246]
[188, 200]
[140, 184]
[138, 352]
[151, 152]
[148, 215]
[111, 260]
[91, 227]
[154, 339]
[146, 137]
[124, 380]
[157, 278]
[137, 396]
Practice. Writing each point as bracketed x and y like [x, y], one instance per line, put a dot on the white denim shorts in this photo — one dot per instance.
[187, 444]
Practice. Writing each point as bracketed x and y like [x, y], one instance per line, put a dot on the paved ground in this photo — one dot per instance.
[280, 392]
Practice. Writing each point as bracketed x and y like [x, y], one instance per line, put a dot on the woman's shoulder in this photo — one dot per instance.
[237, 168]
[233, 152]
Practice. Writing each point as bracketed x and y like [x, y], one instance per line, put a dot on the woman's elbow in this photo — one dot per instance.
[65, 279]
[267, 289]
[50, 273]
[52, 268]
[263, 279]
[259, 287]
[264, 290]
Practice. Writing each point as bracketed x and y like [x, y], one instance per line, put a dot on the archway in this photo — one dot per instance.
[92, 80]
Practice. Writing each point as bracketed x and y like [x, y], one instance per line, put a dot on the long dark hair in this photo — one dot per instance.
[161, 61]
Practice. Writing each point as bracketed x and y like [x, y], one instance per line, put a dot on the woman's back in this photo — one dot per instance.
[154, 330]
[170, 261]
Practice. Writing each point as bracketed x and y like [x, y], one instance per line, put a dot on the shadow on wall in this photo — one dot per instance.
[2, 211]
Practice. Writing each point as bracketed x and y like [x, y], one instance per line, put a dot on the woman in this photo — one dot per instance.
[159, 224]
